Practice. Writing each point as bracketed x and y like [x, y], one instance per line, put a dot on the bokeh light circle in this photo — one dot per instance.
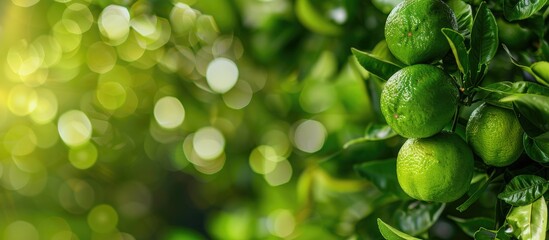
[169, 112]
[208, 143]
[221, 74]
[21, 230]
[309, 136]
[83, 156]
[74, 128]
[103, 219]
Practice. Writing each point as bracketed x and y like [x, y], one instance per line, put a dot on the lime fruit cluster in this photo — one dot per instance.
[413, 30]
[420, 100]
[495, 135]
[435, 169]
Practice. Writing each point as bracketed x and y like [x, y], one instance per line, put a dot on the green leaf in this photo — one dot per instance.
[541, 72]
[470, 226]
[535, 150]
[529, 221]
[376, 66]
[523, 190]
[374, 132]
[484, 39]
[382, 173]
[493, 93]
[476, 195]
[485, 234]
[532, 111]
[464, 16]
[457, 44]
[521, 9]
[313, 20]
[418, 217]
[391, 233]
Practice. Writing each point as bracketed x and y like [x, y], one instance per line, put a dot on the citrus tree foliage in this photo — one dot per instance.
[246, 119]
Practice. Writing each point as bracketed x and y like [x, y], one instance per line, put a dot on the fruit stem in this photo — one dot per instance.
[456, 116]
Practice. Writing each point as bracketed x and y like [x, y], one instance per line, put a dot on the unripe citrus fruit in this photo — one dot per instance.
[418, 101]
[435, 169]
[413, 30]
[495, 135]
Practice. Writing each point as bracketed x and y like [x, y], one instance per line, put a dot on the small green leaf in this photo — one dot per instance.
[382, 173]
[484, 39]
[521, 9]
[493, 93]
[536, 150]
[476, 195]
[541, 72]
[464, 16]
[470, 226]
[418, 217]
[376, 66]
[457, 44]
[523, 190]
[374, 132]
[529, 221]
[485, 234]
[391, 233]
[532, 111]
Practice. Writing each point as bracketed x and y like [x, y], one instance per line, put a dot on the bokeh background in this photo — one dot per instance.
[186, 119]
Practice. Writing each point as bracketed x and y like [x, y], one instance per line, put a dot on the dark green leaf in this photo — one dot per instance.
[382, 173]
[374, 65]
[521, 9]
[541, 72]
[497, 91]
[484, 39]
[529, 221]
[532, 112]
[476, 195]
[464, 16]
[391, 233]
[457, 44]
[536, 150]
[523, 190]
[418, 217]
[374, 132]
[472, 225]
[383, 208]
[485, 234]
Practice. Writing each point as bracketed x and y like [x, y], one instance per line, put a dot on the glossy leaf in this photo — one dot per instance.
[472, 225]
[521, 9]
[374, 132]
[493, 93]
[523, 190]
[464, 16]
[529, 221]
[313, 20]
[374, 65]
[391, 233]
[532, 112]
[457, 44]
[484, 38]
[476, 195]
[418, 217]
[534, 151]
[541, 72]
[382, 173]
[485, 234]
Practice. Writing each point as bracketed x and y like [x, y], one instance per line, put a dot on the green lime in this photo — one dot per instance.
[413, 30]
[495, 135]
[418, 101]
[512, 35]
[435, 169]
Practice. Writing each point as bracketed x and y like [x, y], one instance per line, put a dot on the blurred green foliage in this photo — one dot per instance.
[194, 119]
